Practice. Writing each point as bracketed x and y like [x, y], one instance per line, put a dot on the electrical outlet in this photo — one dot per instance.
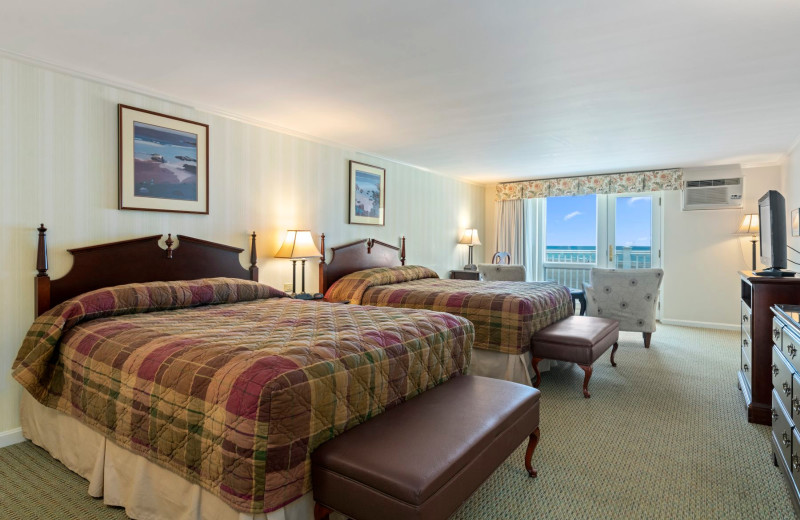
[287, 287]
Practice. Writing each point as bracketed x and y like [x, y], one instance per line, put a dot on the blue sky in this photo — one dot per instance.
[572, 221]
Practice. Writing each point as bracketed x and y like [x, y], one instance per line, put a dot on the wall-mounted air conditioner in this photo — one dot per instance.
[712, 194]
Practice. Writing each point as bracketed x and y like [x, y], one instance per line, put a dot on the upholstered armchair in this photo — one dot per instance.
[501, 272]
[629, 296]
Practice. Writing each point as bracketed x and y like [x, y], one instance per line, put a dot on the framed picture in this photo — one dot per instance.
[367, 194]
[163, 162]
[796, 222]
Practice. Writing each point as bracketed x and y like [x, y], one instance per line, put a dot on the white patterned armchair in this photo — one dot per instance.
[629, 296]
[502, 272]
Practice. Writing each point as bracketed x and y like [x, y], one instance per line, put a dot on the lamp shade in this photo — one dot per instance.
[470, 237]
[298, 244]
[748, 224]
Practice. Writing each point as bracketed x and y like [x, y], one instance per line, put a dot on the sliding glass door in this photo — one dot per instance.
[633, 231]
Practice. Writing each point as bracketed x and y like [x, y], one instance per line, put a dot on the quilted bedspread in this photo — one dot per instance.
[226, 383]
[505, 314]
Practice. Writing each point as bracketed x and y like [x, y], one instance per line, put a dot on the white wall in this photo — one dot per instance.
[58, 165]
[702, 256]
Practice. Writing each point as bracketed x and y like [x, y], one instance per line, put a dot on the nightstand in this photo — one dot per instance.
[464, 274]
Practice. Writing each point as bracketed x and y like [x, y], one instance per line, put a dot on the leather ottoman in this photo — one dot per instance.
[575, 339]
[423, 458]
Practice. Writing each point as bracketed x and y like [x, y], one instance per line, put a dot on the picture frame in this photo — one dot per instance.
[367, 194]
[796, 222]
[163, 162]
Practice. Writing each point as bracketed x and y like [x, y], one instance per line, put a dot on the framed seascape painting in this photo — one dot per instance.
[163, 162]
[367, 194]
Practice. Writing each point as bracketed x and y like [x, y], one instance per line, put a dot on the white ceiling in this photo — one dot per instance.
[483, 90]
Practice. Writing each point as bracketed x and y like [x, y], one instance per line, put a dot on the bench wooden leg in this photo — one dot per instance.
[321, 512]
[532, 442]
[613, 350]
[588, 370]
[647, 336]
[535, 363]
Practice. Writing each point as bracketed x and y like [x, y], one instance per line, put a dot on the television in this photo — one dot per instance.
[772, 234]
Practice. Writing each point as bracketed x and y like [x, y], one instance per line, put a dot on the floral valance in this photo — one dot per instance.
[659, 180]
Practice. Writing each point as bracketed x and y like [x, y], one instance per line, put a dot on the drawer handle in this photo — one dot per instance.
[776, 333]
[787, 439]
[796, 405]
[745, 318]
[745, 342]
[787, 389]
[795, 463]
[775, 370]
[792, 350]
[745, 367]
[774, 415]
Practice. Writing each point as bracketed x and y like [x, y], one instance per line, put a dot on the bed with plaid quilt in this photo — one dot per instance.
[505, 314]
[227, 383]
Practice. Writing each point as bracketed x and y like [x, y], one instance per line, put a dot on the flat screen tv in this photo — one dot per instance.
[772, 234]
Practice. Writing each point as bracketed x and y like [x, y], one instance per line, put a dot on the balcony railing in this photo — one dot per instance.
[572, 267]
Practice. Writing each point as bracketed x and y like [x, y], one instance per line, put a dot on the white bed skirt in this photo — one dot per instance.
[146, 491]
[511, 367]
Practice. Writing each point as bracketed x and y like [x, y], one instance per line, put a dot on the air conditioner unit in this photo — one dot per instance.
[712, 194]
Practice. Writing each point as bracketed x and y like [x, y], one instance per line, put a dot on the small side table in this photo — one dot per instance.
[578, 296]
[464, 274]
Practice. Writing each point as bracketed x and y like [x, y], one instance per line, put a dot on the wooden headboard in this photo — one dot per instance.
[357, 256]
[136, 261]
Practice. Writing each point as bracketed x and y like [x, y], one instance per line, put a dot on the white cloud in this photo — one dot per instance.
[634, 200]
[572, 215]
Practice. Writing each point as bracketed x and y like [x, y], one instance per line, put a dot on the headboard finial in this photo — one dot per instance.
[169, 243]
[253, 258]
[41, 253]
[322, 248]
[403, 250]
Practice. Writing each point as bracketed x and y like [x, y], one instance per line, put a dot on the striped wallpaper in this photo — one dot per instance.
[58, 165]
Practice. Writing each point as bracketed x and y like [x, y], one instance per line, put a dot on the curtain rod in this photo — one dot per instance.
[587, 175]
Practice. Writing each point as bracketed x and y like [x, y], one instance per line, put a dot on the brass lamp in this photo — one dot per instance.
[749, 226]
[298, 245]
[470, 238]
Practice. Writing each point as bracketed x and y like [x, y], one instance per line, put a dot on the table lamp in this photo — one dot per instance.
[298, 245]
[749, 226]
[470, 237]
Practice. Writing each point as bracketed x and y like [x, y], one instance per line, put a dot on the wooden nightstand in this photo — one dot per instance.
[463, 274]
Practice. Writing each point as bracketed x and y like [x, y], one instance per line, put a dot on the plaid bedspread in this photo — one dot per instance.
[236, 395]
[505, 314]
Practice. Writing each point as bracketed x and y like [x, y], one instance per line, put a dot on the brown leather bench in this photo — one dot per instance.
[423, 458]
[576, 339]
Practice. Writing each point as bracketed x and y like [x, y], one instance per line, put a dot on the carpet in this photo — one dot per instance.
[664, 435]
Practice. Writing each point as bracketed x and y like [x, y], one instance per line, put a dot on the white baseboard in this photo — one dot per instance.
[9, 437]
[701, 324]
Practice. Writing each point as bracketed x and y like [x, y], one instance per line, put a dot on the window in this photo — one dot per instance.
[571, 232]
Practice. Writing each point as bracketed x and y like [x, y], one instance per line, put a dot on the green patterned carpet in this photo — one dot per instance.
[664, 435]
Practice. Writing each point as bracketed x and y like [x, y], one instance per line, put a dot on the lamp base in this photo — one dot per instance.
[470, 267]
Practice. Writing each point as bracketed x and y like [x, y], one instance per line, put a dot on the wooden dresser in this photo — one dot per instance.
[786, 395]
[758, 294]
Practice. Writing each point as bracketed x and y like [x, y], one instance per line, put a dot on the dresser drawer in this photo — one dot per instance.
[794, 461]
[746, 319]
[782, 373]
[781, 428]
[791, 347]
[794, 411]
[747, 367]
[777, 328]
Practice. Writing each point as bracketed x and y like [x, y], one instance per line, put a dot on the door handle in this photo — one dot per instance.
[610, 253]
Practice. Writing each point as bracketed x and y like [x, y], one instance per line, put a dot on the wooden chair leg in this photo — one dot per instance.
[588, 370]
[533, 440]
[647, 336]
[613, 351]
[321, 512]
[535, 363]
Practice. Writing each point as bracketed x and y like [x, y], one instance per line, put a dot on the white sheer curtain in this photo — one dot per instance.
[511, 229]
[520, 231]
